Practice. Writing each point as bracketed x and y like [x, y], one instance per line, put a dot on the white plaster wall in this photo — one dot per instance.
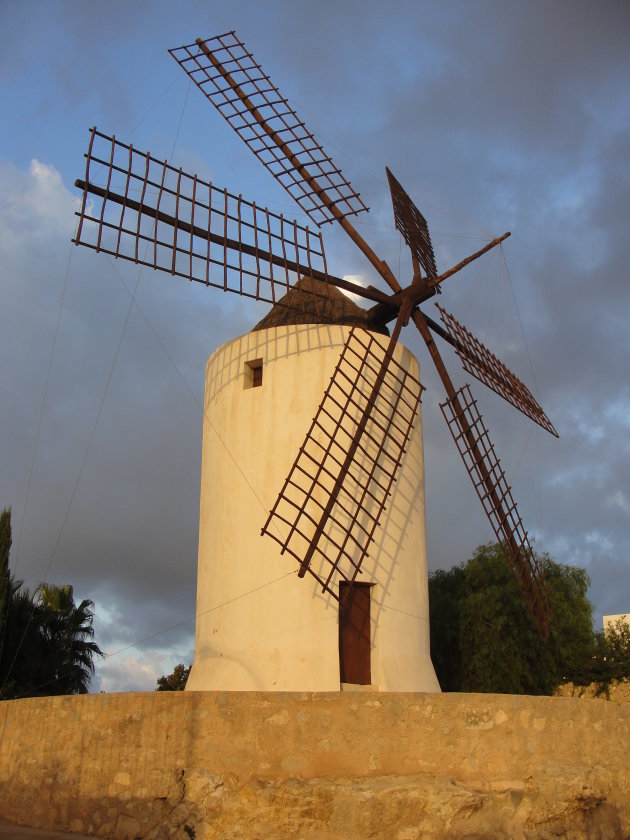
[611, 621]
[260, 627]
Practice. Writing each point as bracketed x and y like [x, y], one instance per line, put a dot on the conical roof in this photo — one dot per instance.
[312, 301]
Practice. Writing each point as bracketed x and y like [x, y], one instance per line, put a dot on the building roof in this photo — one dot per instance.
[315, 302]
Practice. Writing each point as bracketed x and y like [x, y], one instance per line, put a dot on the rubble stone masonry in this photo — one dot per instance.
[196, 765]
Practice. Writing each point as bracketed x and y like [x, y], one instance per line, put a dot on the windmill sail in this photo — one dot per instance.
[477, 360]
[329, 508]
[141, 209]
[484, 468]
[232, 80]
[465, 422]
[413, 227]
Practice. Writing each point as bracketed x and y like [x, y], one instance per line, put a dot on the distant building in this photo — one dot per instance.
[611, 620]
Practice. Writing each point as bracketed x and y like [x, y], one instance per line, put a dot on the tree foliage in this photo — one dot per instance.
[446, 593]
[610, 658]
[482, 636]
[46, 640]
[175, 681]
[5, 547]
[617, 650]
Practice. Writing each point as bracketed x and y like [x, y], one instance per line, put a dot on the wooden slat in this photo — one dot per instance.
[477, 360]
[484, 468]
[329, 507]
[231, 79]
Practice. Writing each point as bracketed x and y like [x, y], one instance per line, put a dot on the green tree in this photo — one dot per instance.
[446, 592]
[47, 644]
[617, 647]
[5, 578]
[47, 650]
[68, 632]
[482, 636]
[610, 659]
[175, 681]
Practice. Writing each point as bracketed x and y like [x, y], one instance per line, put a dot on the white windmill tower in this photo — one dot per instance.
[349, 517]
[262, 391]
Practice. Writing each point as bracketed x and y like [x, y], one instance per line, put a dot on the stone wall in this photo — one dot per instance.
[331, 765]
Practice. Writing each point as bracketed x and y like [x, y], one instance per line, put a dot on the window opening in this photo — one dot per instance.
[254, 373]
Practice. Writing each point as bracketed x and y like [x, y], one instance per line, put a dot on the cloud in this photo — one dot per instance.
[36, 206]
[131, 663]
[359, 281]
[130, 673]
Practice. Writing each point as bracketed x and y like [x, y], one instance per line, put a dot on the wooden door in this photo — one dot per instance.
[354, 633]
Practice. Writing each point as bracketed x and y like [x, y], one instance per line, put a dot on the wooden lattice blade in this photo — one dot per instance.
[237, 86]
[141, 209]
[329, 508]
[477, 360]
[484, 468]
[413, 227]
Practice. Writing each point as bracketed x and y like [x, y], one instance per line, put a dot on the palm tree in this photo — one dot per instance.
[46, 641]
[20, 649]
[68, 637]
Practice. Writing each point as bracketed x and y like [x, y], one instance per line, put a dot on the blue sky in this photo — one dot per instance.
[494, 116]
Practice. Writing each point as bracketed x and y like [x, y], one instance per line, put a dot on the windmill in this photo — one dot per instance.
[327, 513]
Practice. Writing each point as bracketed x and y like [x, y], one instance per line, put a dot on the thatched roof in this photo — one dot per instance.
[314, 302]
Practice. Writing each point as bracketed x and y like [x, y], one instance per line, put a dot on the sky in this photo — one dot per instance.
[494, 116]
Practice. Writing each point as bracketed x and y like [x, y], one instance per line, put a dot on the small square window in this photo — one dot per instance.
[253, 373]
